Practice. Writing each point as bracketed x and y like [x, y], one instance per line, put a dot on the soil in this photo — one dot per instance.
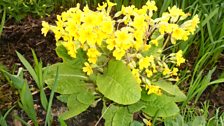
[26, 35]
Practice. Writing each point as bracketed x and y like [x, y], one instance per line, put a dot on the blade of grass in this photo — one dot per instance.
[27, 103]
[40, 83]
[164, 6]
[204, 84]
[3, 21]
[28, 66]
[47, 120]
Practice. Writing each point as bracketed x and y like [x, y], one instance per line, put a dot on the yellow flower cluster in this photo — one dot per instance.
[168, 23]
[126, 38]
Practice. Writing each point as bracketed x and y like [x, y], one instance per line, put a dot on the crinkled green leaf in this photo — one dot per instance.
[77, 106]
[122, 117]
[118, 84]
[160, 106]
[108, 114]
[85, 97]
[136, 123]
[70, 78]
[172, 90]
[136, 107]
[117, 116]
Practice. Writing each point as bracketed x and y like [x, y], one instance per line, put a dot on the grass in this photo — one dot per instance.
[2, 20]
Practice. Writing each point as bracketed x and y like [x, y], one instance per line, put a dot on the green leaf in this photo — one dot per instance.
[76, 106]
[85, 97]
[117, 116]
[122, 117]
[62, 53]
[172, 90]
[175, 121]
[63, 98]
[118, 84]
[17, 80]
[62, 122]
[136, 123]
[108, 114]
[160, 106]
[136, 107]
[198, 121]
[70, 79]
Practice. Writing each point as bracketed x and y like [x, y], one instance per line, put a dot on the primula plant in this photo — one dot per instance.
[121, 60]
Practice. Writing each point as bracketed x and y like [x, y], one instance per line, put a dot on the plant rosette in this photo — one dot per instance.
[120, 60]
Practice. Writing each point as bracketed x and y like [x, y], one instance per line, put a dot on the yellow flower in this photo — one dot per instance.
[155, 42]
[92, 60]
[151, 5]
[195, 21]
[92, 54]
[147, 122]
[174, 71]
[146, 47]
[174, 11]
[57, 33]
[118, 53]
[178, 33]
[64, 16]
[153, 89]
[145, 62]
[110, 43]
[70, 47]
[191, 25]
[107, 27]
[91, 19]
[166, 71]
[110, 5]
[166, 27]
[87, 69]
[149, 73]
[102, 7]
[179, 58]
[87, 35]
[136, 74]
[139, 22]
[123, 39]
[46, 28]
[165, 17]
